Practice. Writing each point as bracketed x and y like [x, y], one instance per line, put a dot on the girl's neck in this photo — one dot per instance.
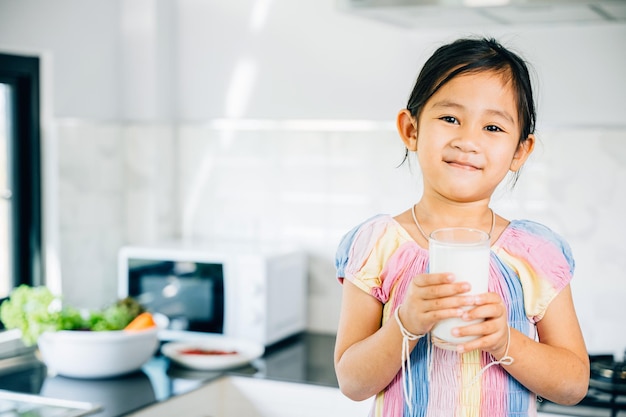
[432, 216]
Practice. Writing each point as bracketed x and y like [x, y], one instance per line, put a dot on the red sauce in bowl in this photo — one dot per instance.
[200, 351]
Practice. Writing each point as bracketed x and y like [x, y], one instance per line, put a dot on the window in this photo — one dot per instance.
[5, 192]
[20, 174]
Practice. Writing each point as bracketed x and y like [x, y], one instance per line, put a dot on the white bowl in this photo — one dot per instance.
[240, 353]
[85, 354]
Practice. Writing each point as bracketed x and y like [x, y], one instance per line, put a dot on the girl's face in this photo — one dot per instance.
[468, 137]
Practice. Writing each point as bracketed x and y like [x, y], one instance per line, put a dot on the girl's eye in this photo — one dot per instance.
[492, 128]
[449, 119]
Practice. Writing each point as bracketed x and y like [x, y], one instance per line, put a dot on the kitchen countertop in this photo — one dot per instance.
[304, 358]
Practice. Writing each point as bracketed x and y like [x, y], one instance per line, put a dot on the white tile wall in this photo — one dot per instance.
[91, 210]
[141, 183]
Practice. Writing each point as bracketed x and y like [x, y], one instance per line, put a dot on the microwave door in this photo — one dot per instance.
[189, 294]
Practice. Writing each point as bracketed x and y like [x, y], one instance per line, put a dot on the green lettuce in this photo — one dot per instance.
[116, 316]
[35, 310]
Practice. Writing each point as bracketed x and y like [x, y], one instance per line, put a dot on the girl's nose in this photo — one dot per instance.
[466, 140]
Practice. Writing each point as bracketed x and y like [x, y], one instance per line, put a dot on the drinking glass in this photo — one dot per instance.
[465, 253]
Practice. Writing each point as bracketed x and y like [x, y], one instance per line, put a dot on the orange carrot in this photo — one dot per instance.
[141, 322]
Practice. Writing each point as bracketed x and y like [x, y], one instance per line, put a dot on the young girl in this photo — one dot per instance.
[470, 119]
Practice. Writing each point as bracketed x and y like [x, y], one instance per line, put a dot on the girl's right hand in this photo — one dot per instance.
[431, 298]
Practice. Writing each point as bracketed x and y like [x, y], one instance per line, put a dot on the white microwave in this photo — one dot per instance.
[237, 290]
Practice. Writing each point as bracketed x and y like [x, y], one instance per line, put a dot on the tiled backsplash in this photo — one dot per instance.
[309, 184]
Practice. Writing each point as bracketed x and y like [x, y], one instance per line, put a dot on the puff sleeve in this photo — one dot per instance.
[541, 259]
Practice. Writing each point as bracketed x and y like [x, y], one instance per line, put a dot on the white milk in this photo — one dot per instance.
[465, 253]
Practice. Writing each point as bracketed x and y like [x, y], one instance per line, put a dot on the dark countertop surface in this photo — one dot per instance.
[304, 358]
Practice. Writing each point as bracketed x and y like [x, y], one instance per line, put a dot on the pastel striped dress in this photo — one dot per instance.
[529, 266]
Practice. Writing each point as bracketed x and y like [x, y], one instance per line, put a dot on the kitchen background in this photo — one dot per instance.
[273, 121]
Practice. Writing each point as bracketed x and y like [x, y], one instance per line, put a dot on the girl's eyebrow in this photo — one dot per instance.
[451, 104]
[501, 113]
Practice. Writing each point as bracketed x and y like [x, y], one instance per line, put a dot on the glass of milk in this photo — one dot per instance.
[465, 253]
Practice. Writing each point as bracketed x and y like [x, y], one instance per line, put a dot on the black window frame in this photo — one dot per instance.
[22, 74]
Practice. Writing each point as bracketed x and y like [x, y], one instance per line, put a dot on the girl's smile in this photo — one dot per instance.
[461, 164]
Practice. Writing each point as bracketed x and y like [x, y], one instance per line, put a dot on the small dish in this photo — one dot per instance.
[215, 353]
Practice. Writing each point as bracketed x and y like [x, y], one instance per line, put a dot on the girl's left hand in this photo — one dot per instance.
[493, 331]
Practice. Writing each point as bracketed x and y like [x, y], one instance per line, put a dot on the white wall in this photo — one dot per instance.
[83, 37]
[142, 152]
[158, 59]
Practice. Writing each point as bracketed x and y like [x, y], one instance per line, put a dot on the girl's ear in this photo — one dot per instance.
[407, 128]
[522, 153]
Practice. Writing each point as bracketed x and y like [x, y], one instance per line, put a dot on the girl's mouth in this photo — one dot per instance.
[462, 165]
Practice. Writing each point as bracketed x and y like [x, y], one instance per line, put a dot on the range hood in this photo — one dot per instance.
[482, 13]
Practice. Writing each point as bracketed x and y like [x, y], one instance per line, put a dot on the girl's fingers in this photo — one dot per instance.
[487, 298]
[488, 342]
[483, 328]
[424, 280]
[483, 312]
[435, 297]
[438, 309]
[426, 313]
[459, 303]
[491, 330]
[438, 287]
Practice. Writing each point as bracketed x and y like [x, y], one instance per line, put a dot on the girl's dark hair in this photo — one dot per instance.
[470, 56]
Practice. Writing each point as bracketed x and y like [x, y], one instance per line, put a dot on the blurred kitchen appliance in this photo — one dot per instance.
[239, 290]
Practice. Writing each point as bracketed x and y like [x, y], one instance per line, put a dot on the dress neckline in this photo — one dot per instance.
[409, 237]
